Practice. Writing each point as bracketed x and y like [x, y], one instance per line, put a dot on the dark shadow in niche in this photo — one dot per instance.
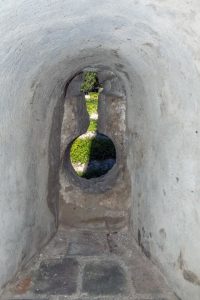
[102, 157]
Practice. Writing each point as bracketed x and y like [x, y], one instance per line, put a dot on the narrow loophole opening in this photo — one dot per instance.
[92, 154]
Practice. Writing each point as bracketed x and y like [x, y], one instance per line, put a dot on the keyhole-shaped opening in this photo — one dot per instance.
[92, 154]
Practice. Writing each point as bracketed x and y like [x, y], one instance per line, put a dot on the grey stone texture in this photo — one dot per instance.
[57, 277]
[104, 278]
[103, 201]
[87, 243]
[86, 274]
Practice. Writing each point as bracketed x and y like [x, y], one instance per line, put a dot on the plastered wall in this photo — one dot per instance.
[153, 47]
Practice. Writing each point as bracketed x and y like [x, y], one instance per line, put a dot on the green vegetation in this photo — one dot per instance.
[80, 151]
[88, 149]
[91, 147]
[90, 82]
[81, 147]
[92, 107]
[93, 126]
[92, 103]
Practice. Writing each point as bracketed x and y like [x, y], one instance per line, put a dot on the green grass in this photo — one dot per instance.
[84, 150]
[80, 151]
[81, 148]
[92, 103]
[93, 126]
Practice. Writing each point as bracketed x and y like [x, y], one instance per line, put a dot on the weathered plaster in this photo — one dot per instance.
[154, 47]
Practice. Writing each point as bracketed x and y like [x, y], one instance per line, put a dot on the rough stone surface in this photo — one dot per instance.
[57, 277]
[107, 273]
[104, 278]
[102, 201]
[87, 244]
[153, 46]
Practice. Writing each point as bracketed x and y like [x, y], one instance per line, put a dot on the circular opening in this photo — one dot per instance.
[92, 156]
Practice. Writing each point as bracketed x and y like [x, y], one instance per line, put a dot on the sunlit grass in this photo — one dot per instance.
[80, 151]
[90, 148]
[93, 126]
[95, 148]
[92, 103]
[81, 148]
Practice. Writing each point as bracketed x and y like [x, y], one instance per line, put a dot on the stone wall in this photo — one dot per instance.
[102, 202]
[153, 48]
